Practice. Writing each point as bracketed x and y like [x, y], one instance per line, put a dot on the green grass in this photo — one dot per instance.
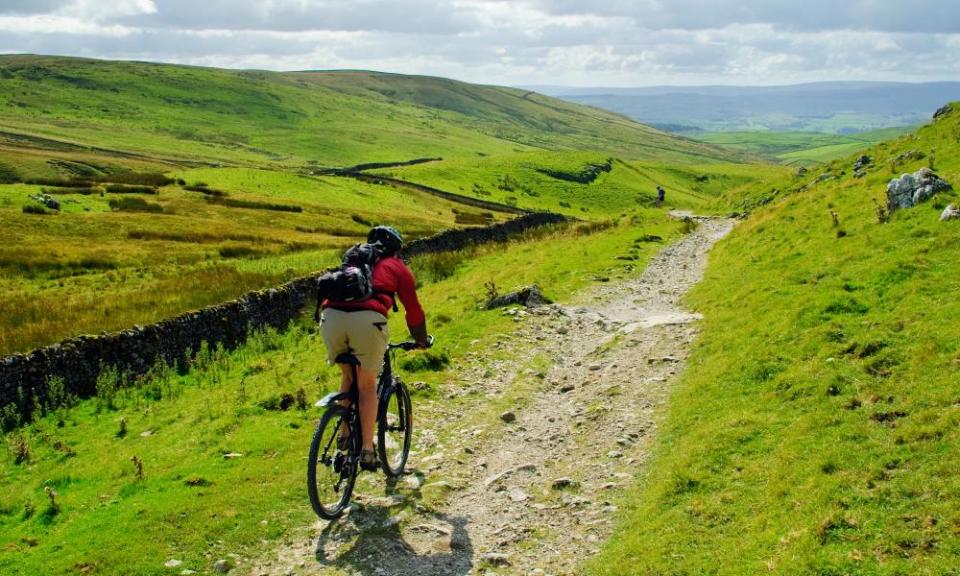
[188, 114]
[801, 148]
[816, 428]
[254, 138]
[59, 267]
[193, 504]
[523, 180]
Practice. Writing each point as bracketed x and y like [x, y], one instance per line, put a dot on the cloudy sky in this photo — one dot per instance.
[517, 42]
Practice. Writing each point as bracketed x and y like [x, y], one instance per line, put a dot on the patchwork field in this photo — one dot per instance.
[801, 148]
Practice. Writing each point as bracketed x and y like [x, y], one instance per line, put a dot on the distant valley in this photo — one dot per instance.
[828, 107]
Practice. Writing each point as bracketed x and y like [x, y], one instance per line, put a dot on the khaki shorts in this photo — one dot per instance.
[362, 333]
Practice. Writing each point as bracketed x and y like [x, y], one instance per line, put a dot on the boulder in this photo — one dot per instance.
[529, 297]
[951, 212]
[943, 111]
[911, 189]
[862, 162]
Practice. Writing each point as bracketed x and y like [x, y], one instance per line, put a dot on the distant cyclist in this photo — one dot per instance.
[360, 328]
[661, 194]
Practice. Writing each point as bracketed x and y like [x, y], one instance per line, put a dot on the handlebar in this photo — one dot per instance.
[410, 344]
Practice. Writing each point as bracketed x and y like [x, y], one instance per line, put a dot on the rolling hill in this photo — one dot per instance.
[170, 113]
[241, 191]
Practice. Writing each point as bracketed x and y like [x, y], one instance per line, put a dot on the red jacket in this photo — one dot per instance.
[390, 277]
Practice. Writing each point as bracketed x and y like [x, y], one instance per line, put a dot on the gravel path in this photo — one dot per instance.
[536, 494]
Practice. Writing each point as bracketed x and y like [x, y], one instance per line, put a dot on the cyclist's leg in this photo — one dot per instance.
[345, 382]
[368, 337]
[368, 405]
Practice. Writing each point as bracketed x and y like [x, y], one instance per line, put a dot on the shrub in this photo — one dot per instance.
[133, 204]
[126, 189]
[152, 179]
[9, 417]
[20, 448]
[236, 251]
[8, 175]
[84, 190]
[61, 182]
[108, 382]
[203, 189]
[35, 209]
[250, 204]
[360, 220]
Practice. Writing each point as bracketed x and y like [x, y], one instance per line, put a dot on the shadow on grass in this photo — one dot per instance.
[370, 540]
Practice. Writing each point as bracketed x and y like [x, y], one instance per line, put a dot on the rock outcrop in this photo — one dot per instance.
[911, 189]
[529, 297]
[860, 166]
[951, 212]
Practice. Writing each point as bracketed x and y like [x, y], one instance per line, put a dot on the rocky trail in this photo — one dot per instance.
[532, 488]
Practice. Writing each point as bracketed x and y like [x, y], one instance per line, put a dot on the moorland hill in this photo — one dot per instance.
[171, 113]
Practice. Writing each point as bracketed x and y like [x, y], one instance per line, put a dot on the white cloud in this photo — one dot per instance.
[99, 10]
[61, 25]
[618, 42]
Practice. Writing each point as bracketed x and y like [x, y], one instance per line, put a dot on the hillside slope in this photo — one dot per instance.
[816, 430]
[293, 119]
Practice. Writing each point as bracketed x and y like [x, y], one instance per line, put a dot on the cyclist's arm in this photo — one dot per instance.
[407, 292]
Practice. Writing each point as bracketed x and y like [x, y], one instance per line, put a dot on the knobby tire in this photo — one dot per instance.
[321, 476]
[394, 431]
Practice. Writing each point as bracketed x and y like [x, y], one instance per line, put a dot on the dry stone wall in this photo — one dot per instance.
[78, 361]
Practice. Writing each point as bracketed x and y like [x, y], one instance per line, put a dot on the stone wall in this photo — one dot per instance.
[133, 351]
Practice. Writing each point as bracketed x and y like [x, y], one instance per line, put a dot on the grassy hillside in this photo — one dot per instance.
[584, 184]
[195, 505]
[801, 148]
[816, 429]
[111, 259]
[292, 119]
[95, 267]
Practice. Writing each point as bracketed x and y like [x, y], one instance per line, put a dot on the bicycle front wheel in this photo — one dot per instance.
[331, 472]
[394, 430]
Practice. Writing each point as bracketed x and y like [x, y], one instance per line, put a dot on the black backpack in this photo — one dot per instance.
[353, 281]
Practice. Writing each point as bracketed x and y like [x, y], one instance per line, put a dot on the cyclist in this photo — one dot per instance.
[360, 327]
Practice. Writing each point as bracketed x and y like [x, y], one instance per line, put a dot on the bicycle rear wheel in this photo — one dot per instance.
[331, 472]
[394, 430]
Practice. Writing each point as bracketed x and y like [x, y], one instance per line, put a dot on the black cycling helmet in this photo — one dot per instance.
[387, 236]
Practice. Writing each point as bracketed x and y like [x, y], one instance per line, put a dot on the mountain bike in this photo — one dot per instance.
[334, 459]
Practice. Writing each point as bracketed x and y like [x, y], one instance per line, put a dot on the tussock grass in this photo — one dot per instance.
[134, 205]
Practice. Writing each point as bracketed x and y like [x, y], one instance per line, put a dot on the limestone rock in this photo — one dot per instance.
[951, 212]
[911, 189]
[530, 297]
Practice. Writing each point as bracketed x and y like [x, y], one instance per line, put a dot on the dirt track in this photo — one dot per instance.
[537, 496]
